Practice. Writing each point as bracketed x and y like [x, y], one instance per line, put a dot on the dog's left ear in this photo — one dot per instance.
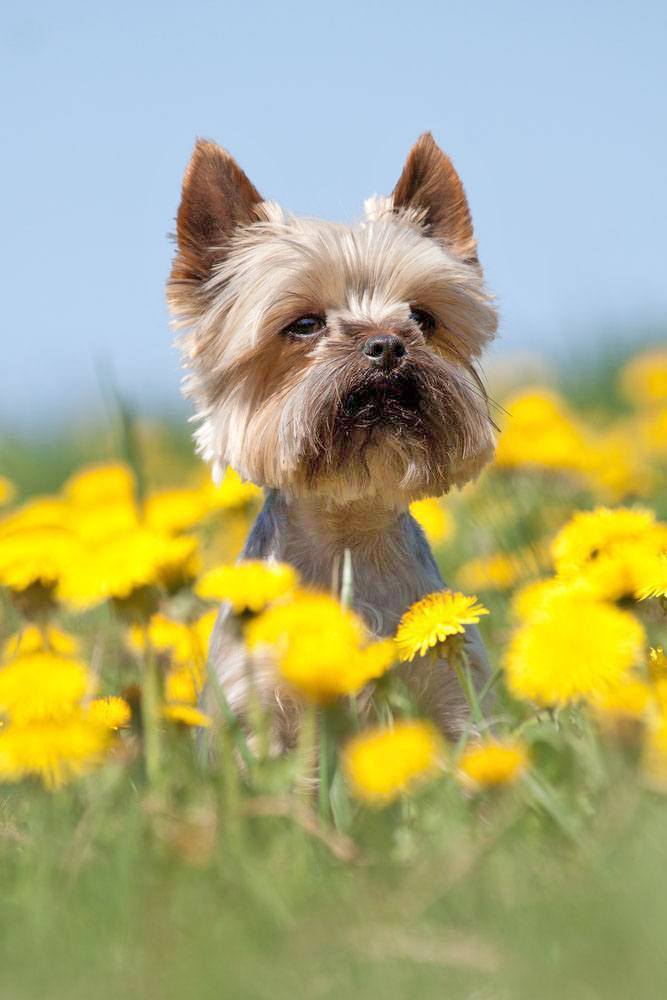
[430, 186]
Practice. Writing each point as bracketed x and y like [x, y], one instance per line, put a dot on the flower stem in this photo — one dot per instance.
[306, 750]
[462, 667]
[324, 765]
[150, 714]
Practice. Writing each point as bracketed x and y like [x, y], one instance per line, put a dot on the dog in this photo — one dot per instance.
[335, 366]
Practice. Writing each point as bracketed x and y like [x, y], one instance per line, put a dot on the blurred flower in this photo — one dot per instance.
[432, 619]
[657, 664]
[111, 712]
[644, 378]
[381, 764]
[494, 763]
[249, 585]
[33, 639]
[496, 572]
[186, 715]
[540, 431]
[175, 510]
[39, 512]
[628, 700]
[654, 583]
[320, 648]
[572, 648]
[651, 428]
[36, 556]
[436, 521]
[121, 564]
[609, 549]
[54, 751]
[41, 685]
[231, 493]
[101, 485]
[187, 642]
[7, 491]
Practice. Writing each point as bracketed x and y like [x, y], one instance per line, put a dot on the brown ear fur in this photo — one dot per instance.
[217, 197]
[430, 185]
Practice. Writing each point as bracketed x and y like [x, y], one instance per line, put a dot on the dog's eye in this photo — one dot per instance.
[423, 319]
[305, 326]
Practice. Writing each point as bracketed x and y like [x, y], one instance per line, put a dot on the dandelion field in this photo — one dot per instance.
[151, 846]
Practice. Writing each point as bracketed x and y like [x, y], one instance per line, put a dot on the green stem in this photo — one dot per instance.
[150, 714]
[324, 765]
[306, 750]
[462, 667]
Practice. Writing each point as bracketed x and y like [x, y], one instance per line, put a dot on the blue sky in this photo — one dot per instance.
[553, 114]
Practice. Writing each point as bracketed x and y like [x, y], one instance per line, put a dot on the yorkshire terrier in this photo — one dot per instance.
[334, 365]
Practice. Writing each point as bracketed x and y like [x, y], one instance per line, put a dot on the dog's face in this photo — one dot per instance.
[329, 359]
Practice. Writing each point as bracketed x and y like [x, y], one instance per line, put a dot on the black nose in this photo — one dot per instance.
[384, 350]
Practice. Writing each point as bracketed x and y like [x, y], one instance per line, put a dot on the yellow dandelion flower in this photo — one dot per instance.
[33, 639]
[617, 467]
[111, 712]
[248, 586]
[541, 432]
[42, 685]
[494, 763]
[183, 686]
[55, 751]
[36, 556]
[534, 598]
[175, 510]
[609, 548]
[186, 715]
[39, 512]
[434, 518]
[655, 581]
[575, 648]
[644, 378]
[320, 648]
[187, 642]
[495, 572]
[7, 491]
[652, 431]
[381, 764]
[100, 485]
[434, 619]
[629, 700]
[231, 493]
[98, 524]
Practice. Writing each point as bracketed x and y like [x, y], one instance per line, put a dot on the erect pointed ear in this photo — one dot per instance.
[430, 186]
[217, 197]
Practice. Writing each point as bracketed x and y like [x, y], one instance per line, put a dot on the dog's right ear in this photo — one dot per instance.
[217, 197]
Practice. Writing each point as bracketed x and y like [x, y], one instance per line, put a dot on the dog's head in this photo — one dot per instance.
[330, 359]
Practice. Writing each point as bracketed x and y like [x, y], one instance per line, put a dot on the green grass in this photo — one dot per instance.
[110, 889]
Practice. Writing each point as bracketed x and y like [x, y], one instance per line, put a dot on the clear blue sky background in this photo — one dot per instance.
[553, 113]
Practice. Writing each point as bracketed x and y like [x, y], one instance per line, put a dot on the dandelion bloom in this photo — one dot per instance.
[36, 556]
[248, 586]
[541, 432]
[629, 700]
[175, 510]
[609, 549]
[186, 715]
[111, 712]
[186, 642]
[100, 485]
[320, 648]
[644, 378]
[575, 648]
[33, 639]
[381, 764]
[434, 518]
[434, 619]
[42, 685]
[494, 763]
[232, 492]
[654, 583]
[53, 750]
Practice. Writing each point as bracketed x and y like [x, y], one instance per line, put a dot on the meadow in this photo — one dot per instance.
[151, 847]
